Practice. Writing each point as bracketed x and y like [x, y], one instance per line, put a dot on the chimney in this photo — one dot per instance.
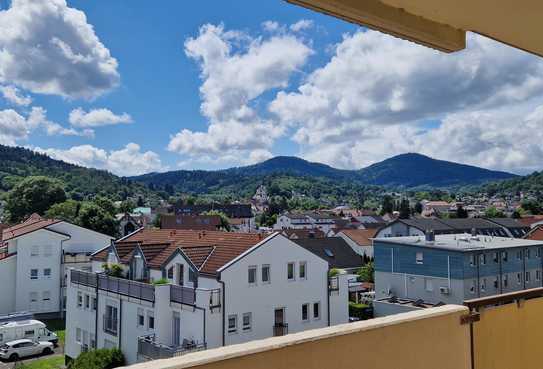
[430, 236]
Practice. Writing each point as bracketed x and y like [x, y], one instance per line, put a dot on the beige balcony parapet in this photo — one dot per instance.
[426, 339]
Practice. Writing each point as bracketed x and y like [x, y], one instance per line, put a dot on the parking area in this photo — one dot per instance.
[55, 357]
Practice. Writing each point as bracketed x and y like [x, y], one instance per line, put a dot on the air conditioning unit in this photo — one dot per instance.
[444, 290]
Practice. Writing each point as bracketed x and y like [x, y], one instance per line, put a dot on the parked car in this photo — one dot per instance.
[26, 329]
[21, 348]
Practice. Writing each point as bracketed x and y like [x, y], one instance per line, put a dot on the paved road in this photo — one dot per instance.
[9, 365]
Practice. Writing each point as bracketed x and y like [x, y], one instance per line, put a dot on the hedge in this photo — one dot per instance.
[98, 359]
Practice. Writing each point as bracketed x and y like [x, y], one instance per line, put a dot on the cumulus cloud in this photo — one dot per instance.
[301, 25]
[97, 118]
[369, 100]
[49, 48]
[127, 161]
[236, 69]
[13, 96]
[15, 127]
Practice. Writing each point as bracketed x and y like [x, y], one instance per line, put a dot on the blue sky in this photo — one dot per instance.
[134, 86]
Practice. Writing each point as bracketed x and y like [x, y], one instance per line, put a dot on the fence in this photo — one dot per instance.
[183, 295]
[149, 349]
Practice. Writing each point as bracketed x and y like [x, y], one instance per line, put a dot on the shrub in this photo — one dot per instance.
[161, 281]
[99, 359]
[333, 272]
[361, 311]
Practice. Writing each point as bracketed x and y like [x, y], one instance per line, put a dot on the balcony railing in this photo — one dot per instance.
[280, 329]
[76, 258]
[215, 298]
[150, 349]
[126, 287]
[183, 295]
[110, 325]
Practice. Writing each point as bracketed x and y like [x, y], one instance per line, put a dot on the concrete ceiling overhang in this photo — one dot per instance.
[442, 24]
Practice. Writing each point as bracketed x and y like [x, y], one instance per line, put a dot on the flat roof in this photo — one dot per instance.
[461, 242]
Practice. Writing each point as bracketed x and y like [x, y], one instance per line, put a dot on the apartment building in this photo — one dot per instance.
[417, 271]
[309, 220]
[34, 257]
[216, 289]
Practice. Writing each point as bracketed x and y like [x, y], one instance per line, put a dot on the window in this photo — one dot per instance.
[35, 251]
[419, 258]
[33, 297]
[496, 257]
[170, 272]
[141, 318]
[87, 302]
[305, 312]
[150, 320]
[266, 273]
[33, 273]
[482, 259]
[527, 254]
[47, 273]
[483, 285]
[496, 285]
[302, 270]
[192, 276]
[472, 288]
[528, 275]
[110, 320]
[519, 278]
[47, 250]
[251, 275]
[505, 280]
[78, 335]
[538, 275]
[29, 333]
[232, 323]
[317, 310]
[472, 260]
[247, 321]
[519, 255]
[46, 296]
[504, 255]
[94, 303]
[79, 299]
[290, 271]
[428, 285]
[538, 252]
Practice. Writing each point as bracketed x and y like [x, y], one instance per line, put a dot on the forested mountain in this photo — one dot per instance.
[16, 163]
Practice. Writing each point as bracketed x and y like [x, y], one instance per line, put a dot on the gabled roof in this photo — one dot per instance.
[362, 237]
[427, 224]
[303, 233]
[207, 250]
[508, 222]
[535, 233]
[198, 222]
[33, 223]
[334, 250]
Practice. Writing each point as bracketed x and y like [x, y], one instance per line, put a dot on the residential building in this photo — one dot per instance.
[451, 268]
[309, 220]
[196, 222]
[222, 288]
[303, 233]
[335, 250]
[128, 223]
[240, 215]
[535, 234]
[34, 258]
[360, 240]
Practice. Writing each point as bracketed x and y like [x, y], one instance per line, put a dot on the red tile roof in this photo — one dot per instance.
[208, 250]
[361, 236]
[530, 219]
[535, 234]
[33, 223]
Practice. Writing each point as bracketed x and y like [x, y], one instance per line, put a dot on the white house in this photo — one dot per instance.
[222, 288]
[34, 257]
[308, 220]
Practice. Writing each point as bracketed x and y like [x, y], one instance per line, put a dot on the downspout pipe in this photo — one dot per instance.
[328, 293]
[223, 308]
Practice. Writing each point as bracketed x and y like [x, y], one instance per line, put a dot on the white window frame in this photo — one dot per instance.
[304, 264]
[34, 276]
[254, 269]
[483, 285]
[87, 302]
[528, 276]
[306, 312]
[80, 299]
[428, 285]
[505, 280]
[318, 304]
[419, 257]
[45, 275]
[140, 318]
[538, 275]
[268, 267]
[247, 327]
[519, 278]
[482, 259]
[234, 328]
[150, 316]
[293, 271]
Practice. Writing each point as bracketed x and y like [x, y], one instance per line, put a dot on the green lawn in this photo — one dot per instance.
[58, 326]
[54, 362]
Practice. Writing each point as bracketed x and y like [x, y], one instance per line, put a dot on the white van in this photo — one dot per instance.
[30, 329]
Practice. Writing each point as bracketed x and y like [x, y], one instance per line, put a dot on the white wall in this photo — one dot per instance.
[339, 307]
[360, 250]
[8, 269]
[261, 299]
[82, 239]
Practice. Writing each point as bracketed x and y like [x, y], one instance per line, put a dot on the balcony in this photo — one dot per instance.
[183, 295]
[110, 325]
[74, 258]
[150, 349]
[280, 330]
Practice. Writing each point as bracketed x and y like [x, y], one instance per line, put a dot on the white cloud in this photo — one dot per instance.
[15, 127]
[127, 161]
[301, 25]
[236, 69]
[272, 26]
[369, 100]
[97, 118]
[12, 95]
[49, 48]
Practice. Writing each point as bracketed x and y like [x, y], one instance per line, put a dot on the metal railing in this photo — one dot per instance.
[110, 325]
[126, 287]
[183, 295]
[76, 258]
[280, 329]
[215, 298]
[505, 298]
[150, 349]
